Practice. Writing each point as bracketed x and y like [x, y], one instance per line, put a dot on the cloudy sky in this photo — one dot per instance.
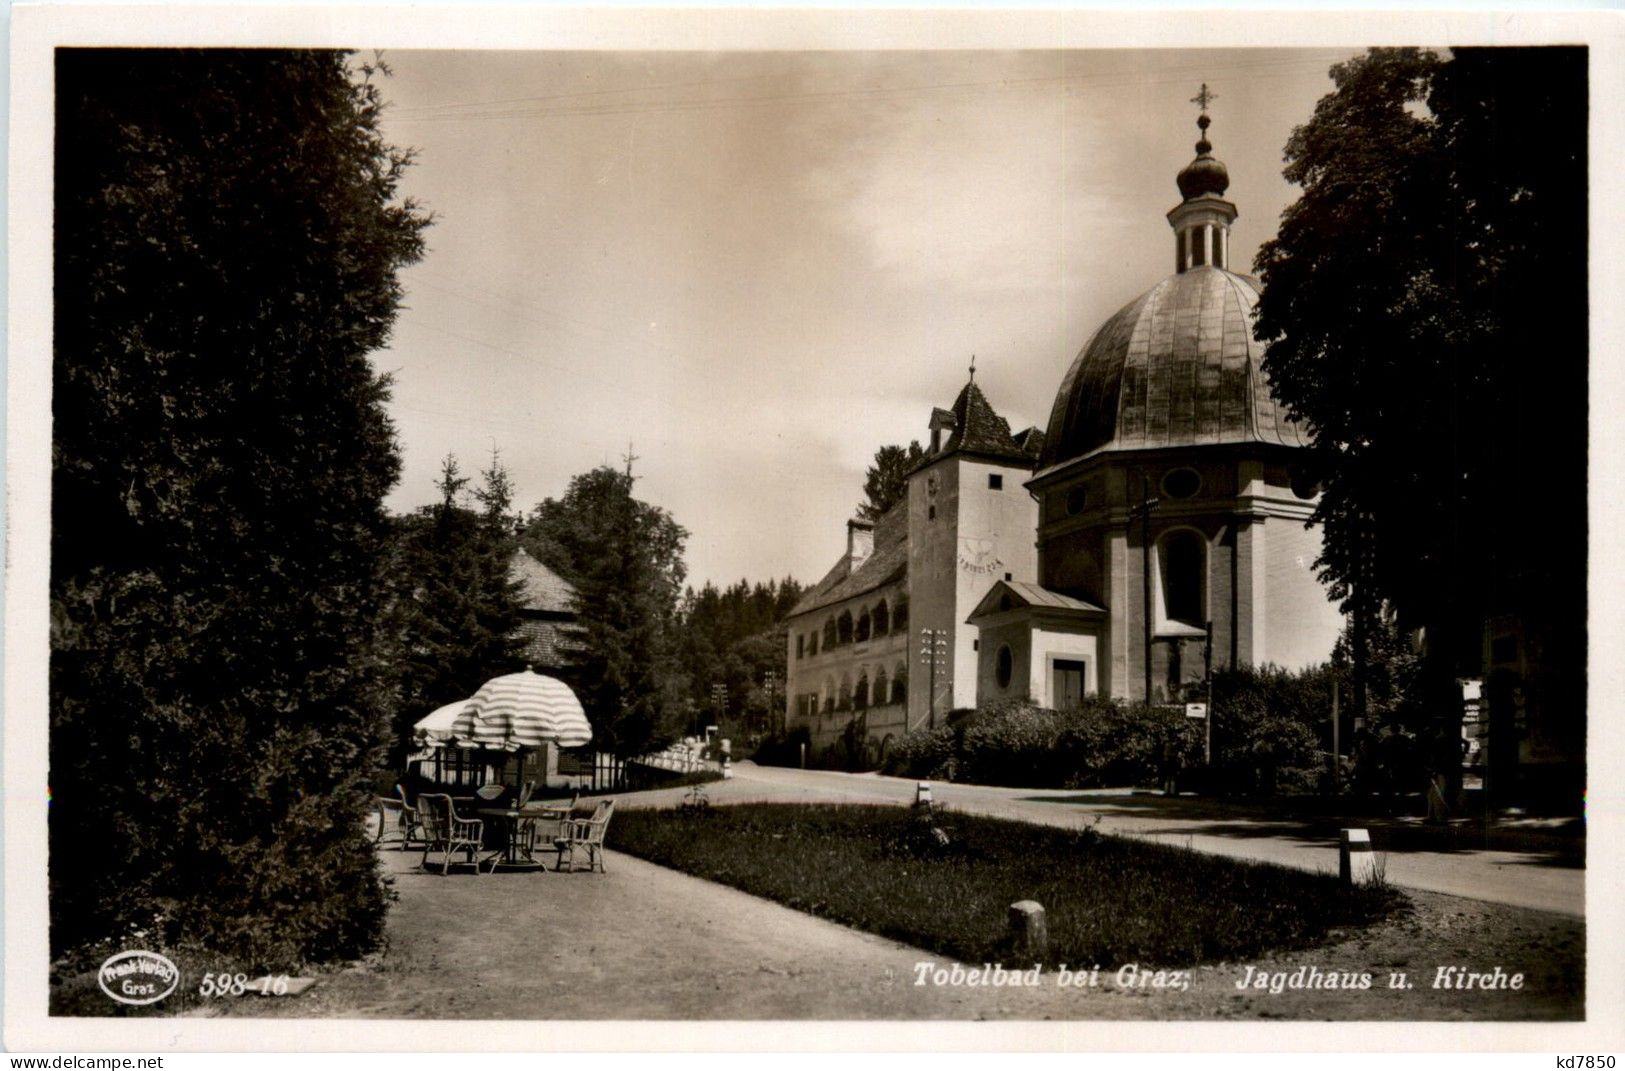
[756, 268]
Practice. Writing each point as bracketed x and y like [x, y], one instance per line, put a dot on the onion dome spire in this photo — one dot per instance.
[1201, 221]
[1203, 174]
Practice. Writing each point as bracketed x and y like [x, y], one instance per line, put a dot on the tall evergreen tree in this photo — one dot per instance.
[455, 611]
[736, 637]
[228, 233]
[625, 559]
[886, 481]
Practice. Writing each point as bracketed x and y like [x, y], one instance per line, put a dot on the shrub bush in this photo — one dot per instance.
[1014, 743]
[1271, 729]
[1271, 735]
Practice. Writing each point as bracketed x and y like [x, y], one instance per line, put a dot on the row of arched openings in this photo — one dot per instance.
[875, 689]
[870, 623]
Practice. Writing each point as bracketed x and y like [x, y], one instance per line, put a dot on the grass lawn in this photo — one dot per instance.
[1109, 900]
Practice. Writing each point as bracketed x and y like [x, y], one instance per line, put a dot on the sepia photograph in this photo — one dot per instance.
[728, 519]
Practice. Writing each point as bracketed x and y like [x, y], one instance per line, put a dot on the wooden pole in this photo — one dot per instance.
[1337, 765]
[1207, 673]
[1145, 573]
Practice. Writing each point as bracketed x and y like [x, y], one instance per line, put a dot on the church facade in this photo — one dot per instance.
[1172, 531]
[1157, 528]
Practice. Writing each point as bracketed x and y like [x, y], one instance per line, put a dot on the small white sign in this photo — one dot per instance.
[1195, 710]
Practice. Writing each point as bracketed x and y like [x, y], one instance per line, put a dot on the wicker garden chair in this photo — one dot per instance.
[444, 831]
[397, 820]
[545, 822]
[585, 835]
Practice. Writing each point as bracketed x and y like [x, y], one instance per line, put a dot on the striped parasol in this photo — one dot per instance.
[522, 710]
[435, 729]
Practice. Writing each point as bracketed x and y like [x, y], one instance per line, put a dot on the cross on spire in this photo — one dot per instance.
[629, 457]
[1204, 97]
[973, 368]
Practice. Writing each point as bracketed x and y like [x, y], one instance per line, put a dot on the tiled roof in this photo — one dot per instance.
[889, 562]
[1030, 441]
[979, 429]
[549, 644]
[1177, 366]
[544, 590]
[1015, 594]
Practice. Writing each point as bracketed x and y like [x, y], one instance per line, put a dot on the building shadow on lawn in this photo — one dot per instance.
[1555, 846]
[1395, 840]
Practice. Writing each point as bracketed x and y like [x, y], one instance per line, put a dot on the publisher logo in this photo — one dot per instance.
[137, 977]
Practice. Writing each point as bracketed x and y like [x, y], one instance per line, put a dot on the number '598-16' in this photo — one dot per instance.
[235, 985]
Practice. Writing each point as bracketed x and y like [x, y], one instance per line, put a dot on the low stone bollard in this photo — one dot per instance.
[1029, 930]
[1356, 862]
[922, 794]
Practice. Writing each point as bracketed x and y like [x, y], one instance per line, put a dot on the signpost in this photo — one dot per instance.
[933, 652]
[774, 718]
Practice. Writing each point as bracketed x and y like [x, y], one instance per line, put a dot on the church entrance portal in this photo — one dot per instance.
[1068, 683]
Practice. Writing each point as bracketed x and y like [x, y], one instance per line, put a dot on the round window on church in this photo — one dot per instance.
[1004, 664]
[1076, 499]
[1304, 484]
[1181, 483]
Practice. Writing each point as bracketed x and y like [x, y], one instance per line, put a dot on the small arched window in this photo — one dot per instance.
[843, 628]
[899, 683]
[1004, 664]
[860, 697]
[844, 701]
[1184, 568]
[881, 697]
[829, 695]
[882, 619]
[863, 626]
[829, 634]
[899, 616]
[812, 643]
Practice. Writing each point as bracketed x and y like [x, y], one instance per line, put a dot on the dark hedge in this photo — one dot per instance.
[227, 238]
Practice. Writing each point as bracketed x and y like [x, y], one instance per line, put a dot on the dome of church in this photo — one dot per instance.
[1177, 366]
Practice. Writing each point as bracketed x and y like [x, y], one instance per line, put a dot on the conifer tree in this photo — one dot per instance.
[625, 559]
[228, 232]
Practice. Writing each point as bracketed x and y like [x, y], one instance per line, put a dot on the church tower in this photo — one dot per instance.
[970, 525]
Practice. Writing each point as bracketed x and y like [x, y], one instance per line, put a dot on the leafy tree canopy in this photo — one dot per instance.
[228, 232]
[886, 481]
[1425, 311]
